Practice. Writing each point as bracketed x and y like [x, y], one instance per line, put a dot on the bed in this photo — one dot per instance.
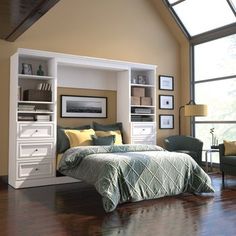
[130, 173]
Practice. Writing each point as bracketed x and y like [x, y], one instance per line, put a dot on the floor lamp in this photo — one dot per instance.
[192, 109]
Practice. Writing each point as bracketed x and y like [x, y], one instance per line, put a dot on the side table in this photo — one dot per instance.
[210, 151]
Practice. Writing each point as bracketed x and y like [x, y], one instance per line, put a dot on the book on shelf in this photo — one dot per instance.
[42, 110]
[26, 118]
[141, 110]
[22, 107]
[44, 86]
[42, 117]
[19, 93]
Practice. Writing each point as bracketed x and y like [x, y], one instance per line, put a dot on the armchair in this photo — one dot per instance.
[185, 144]
[227, 163]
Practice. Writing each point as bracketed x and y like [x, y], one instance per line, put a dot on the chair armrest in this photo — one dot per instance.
[221, 151]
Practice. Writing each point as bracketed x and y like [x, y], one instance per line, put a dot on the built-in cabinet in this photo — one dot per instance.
[35, 76]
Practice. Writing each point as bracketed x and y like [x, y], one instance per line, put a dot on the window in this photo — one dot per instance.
[215, 85]
[210, 26]
[199, 16]
[219, 56]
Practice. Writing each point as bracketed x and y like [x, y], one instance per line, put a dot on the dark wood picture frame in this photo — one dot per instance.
[166, 82]
[166, 121]
[73, 106]
[166, 102]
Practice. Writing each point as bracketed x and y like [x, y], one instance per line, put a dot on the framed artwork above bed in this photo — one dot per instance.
[83, 106]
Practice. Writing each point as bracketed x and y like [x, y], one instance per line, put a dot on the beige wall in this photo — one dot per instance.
[183, 82]
[132, 30]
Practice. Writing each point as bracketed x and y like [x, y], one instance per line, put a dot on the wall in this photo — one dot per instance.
[184, 58]
[130, 30]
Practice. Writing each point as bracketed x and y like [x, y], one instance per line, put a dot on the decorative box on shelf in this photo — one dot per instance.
[37, 95]
[146, 101]
[138, 92]
[135, 100]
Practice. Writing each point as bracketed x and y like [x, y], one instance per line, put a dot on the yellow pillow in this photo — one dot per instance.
[230, 148]
[80, 137]
[118, 138]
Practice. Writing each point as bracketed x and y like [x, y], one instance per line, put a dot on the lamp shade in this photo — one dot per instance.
[195, 110]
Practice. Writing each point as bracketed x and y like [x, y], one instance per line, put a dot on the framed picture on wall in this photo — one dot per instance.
[166, 102]
[83, 107]
[166, 82]
[166, 121]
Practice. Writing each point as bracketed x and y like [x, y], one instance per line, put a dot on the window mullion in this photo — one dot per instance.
[232, 7]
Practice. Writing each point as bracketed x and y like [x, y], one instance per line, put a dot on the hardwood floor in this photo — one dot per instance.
[76, 209]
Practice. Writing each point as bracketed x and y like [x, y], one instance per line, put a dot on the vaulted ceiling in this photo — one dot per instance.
[16, 16]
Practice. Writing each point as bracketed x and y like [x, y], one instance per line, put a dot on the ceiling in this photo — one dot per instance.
[16, 16]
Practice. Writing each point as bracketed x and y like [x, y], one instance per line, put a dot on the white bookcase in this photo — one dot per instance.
[33, 119]
[32, 140]
[139, 120]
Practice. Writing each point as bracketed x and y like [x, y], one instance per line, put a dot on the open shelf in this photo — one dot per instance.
[35, 112]
[143, 85]
[36, 102]
[23, 76]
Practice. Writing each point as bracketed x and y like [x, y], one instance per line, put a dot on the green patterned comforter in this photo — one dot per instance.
[132, 173]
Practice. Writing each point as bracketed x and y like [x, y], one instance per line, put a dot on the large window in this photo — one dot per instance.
[215, 85]
[210, 26]
[199, 16]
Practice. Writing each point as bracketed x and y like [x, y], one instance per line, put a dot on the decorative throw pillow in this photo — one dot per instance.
[108, 127]
[63, 142]
[103, 141]
[80, 137]
[118, 138]
[230, 148]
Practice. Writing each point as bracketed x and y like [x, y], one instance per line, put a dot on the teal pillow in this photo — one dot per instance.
[63, 142]
[103, 141]
[109, 127]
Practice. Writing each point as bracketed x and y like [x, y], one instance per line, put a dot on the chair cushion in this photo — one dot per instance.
[230, 148]
[229, 160]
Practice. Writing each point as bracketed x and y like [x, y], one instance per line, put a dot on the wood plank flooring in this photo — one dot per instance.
[76, 209]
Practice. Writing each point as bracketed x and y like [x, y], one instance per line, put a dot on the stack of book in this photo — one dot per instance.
[42, 117]
[26, 107]
[141, 110]
[26, 118]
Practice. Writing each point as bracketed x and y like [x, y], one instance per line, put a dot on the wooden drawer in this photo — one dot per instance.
[143, 129]
[34, 150]
[31, 170]
[29, 131]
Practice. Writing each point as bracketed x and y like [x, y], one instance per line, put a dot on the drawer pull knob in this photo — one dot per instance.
[36, 131]
[36, 150]
[36, 169]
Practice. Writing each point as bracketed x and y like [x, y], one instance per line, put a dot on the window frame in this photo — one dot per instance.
[196, 40]
[208, 35]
